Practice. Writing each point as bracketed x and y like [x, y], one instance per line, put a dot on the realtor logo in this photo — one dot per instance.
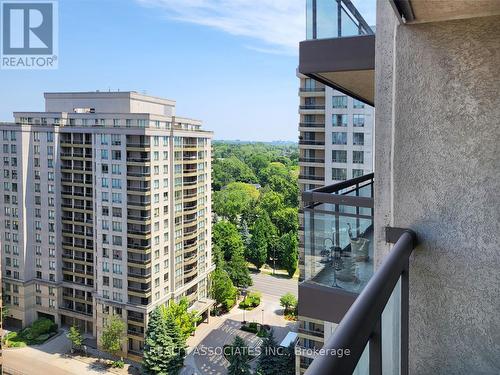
[29, 34]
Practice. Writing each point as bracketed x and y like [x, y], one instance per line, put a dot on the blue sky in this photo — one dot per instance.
[230, 63]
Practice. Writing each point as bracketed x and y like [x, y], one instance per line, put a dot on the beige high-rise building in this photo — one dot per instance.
[105, 209]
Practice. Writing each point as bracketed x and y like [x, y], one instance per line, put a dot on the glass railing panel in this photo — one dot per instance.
[363, 366]
[338, 248]
[332, 19]
[391, 333]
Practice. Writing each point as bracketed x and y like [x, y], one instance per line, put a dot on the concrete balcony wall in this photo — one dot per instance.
[436, 162]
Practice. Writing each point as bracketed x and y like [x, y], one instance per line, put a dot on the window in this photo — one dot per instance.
[104, 154]
[339, 101]
[357, 173]
[104, 182]
[357, 104]
[339, 120]
[117, 240]
[116, 140]
[116, 169]
[117, 226]
[339, 174]
[104, 139]
[116, 183]
[117, 283]
[117, 269]
[358, 120]
[339, 138]
[104, 168]
[358, 157]
[117, 197]
[339, 156]
[358, 139]
[116, 154]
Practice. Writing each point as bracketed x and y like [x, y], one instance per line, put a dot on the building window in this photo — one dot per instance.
[357, 173]
[357, 104]
[358, 139]
[358, 157]
[339, 156]
[339, 138]
[358, 120]
[339, 174]
[104, 154]
[116, 155]
[339, 101]
[339, 120]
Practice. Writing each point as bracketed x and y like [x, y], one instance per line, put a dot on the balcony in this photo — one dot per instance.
[311, 142]
[338, 247]
[340, 49]
[384, 303]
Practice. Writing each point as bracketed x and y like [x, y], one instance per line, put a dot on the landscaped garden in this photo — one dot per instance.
[37, 333]
[250, 302]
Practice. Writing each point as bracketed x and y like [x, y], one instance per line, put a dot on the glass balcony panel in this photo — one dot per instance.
[332, 19]
[338, 239]
[391, 333]
[363, 366]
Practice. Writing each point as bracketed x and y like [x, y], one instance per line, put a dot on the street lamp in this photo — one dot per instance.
[262, 321]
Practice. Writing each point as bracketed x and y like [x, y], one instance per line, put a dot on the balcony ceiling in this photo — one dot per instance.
[421, 11]
[347, 64]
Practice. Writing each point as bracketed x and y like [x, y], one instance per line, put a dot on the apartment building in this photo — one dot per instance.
[105, 209]
[335, 144]
[336, 135]
[403, 263]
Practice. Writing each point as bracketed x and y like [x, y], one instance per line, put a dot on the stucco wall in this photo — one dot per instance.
[437, 143]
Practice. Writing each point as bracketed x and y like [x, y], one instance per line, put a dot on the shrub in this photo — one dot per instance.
[42, 326]
[118, 364]
[251, 327]
[251, 301]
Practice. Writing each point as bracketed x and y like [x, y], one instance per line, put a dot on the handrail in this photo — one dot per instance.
[362, 322]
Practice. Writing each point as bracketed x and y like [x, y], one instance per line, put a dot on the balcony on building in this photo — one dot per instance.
[340, 48]
[338, 247]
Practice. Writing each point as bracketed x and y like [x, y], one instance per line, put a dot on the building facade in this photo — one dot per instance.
[427, 220]
[106, 206]
[335, 144]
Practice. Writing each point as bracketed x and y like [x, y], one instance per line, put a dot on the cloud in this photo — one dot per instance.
[276, 26]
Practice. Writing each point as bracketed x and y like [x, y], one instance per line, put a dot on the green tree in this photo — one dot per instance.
[226, 237]
[75, 336]
[286, 361]
[222, 288]
[165, 345]
[238, 358]
[238, 271]
[271, 202]
[257, 252]
[234, 200]
[268, 360]
[229, 170]
[113, 335]
[159, 348]
[289, 248]
[173, 331]
[288, 302]
[273, 169]
[185, 319]
[286, 220]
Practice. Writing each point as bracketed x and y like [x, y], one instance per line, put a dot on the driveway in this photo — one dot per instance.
[274, 286]
[48, 358]
[222, 330]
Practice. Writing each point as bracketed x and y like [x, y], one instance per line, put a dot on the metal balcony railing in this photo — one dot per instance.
[311, 142]
[361, 327]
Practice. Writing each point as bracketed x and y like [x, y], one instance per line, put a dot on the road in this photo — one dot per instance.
[274, 286]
